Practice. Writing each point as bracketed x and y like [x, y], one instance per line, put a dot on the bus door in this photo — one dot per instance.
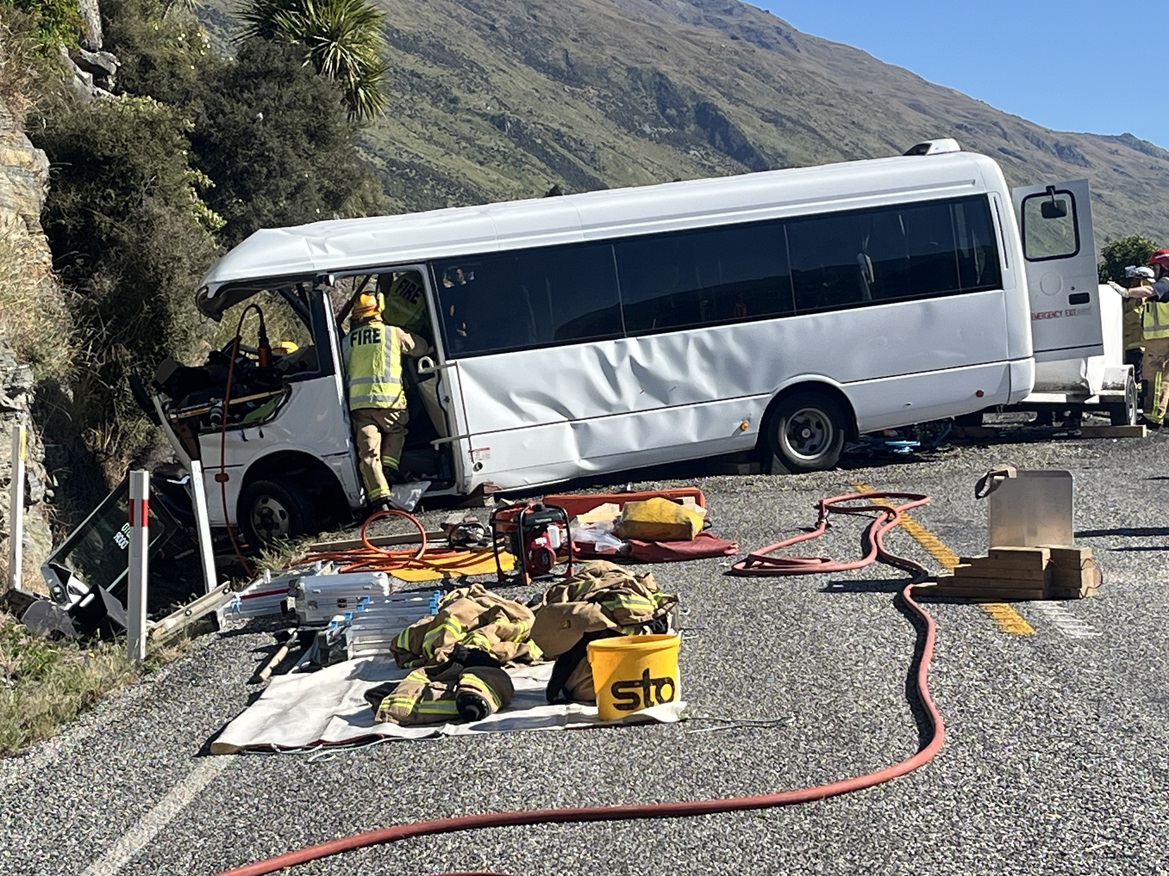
[1055, 223]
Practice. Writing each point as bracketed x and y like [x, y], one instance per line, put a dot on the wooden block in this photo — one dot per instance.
[1022, 561]
[1113, 431]
[1069, 553]
[1075, 577]
[962, 591]
[990, 572]
[1027, 557]
[988, 588]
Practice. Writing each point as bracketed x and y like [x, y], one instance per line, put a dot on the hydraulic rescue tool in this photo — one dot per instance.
[536, 534]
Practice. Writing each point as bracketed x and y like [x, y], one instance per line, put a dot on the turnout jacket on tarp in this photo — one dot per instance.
[457, 656]
[475, 618]
[601, 600]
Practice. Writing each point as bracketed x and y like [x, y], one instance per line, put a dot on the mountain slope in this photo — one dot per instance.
[503, 99]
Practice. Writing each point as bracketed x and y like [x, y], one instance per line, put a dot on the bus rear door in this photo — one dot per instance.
[1055, 223]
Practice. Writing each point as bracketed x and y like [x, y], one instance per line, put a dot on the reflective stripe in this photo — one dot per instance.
[470, 680]
[430, 641]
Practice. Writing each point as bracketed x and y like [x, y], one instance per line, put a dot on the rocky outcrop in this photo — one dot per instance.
[24, 177]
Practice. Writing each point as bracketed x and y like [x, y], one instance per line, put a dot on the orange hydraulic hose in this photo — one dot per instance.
[371, 557]
[687, 808]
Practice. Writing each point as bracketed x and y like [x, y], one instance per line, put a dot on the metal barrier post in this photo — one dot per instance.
[139, 554]
[16, 510]
[202, 525]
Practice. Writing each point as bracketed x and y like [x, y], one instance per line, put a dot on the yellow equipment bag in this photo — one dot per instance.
[658, 519]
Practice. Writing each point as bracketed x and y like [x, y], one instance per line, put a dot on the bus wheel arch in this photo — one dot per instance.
[286, 495]
[805, 429]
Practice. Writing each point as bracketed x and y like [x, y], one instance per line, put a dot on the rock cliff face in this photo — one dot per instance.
[24, 177]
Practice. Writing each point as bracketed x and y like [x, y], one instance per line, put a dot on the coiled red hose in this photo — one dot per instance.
[760, 563]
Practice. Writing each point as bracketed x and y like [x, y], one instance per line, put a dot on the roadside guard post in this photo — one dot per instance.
[139, 546]
[202, 526]
[16, 509]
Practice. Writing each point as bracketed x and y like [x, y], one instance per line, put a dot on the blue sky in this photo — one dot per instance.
[1096, 67]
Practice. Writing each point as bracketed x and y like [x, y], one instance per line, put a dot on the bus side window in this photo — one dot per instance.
[825, 270]
[573, 292]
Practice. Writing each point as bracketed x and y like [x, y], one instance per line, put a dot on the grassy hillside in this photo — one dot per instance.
[503, 99]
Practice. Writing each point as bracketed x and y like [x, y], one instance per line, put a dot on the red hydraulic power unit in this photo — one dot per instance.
[536, 534]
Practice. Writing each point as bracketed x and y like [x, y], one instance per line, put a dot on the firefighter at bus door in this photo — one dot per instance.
[377, 399]
[1156, 332]
[405, 302]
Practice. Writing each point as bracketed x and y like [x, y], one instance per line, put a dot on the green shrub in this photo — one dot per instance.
[57, 22]
[131, 238]
[162, 52]
[274, 138]
[1116, 256]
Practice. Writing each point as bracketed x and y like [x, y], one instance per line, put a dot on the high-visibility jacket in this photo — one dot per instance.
[406, 304]
[1156, 319]
[374, 362]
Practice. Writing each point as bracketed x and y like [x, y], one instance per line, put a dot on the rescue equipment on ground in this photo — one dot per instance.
[634, 673]
[601, 601]
[474, 617]
[316, 599]
[471, 686]
[576, 504]
[536, 534]
[658, 519]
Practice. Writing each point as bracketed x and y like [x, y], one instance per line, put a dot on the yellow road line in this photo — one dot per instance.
[1005, 617]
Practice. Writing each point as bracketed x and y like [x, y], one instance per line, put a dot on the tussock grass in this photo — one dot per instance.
[44, 685]
[35, 320]
[17, 70]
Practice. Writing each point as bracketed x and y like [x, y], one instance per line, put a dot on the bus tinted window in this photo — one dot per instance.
[572, 292]
[528, 298]
[892, 254]
[712, 276]
[705, 277]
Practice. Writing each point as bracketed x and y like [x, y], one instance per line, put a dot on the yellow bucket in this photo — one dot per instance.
[631, 673]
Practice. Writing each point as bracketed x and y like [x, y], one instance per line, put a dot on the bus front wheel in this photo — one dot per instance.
[272, 511]
[806, 432]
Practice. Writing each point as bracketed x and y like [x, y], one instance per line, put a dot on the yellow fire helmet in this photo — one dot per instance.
[369, 304]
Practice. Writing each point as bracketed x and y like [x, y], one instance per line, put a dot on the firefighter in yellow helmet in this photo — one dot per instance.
[377, 399]
[1156, 331]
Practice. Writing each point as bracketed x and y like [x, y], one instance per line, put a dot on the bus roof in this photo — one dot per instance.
[343, 245]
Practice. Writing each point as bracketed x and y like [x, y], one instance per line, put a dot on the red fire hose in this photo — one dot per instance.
[757, 563]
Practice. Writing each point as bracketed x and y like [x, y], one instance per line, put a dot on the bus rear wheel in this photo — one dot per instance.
[805, 433]
[270, 512]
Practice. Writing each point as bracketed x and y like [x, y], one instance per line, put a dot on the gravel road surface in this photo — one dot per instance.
[1056, 754]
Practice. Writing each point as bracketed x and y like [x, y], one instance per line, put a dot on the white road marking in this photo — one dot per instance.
[157, 818]
[1066, 622]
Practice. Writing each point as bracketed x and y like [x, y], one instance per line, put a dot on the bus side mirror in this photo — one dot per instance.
[1053, 209]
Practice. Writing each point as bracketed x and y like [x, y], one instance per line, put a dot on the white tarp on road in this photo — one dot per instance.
[328, 707]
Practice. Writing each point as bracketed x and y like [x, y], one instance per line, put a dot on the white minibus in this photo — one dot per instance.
[780, 313]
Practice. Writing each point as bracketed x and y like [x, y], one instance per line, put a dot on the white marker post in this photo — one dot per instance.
[139, 543]
[202, 526]
[16, 509]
